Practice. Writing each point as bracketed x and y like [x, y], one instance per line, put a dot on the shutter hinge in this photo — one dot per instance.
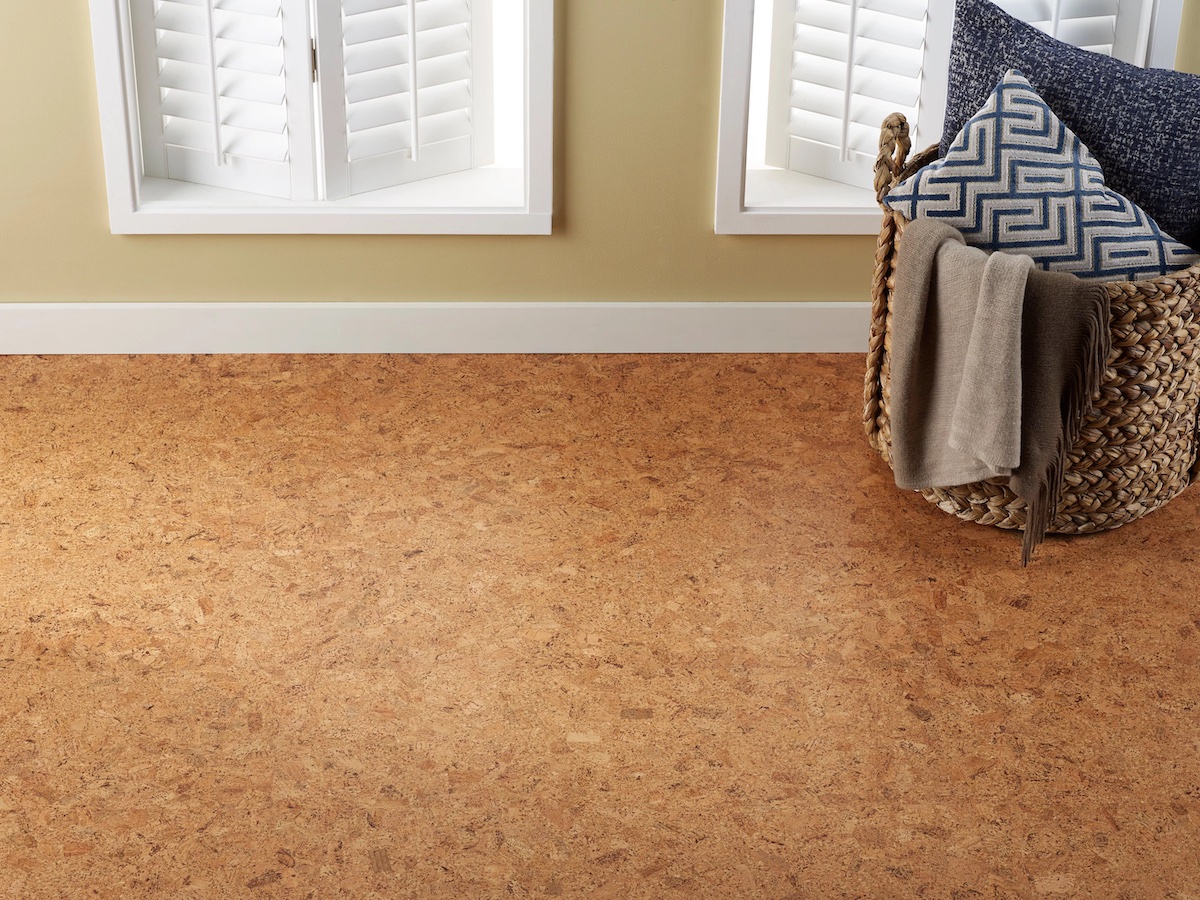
[314, 60]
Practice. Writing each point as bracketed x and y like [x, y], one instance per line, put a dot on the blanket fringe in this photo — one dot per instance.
[1081, 391]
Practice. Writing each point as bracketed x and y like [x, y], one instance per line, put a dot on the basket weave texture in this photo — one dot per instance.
[1137, 447]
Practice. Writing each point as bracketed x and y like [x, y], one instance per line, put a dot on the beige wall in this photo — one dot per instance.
[635, 142]
[1188, 58]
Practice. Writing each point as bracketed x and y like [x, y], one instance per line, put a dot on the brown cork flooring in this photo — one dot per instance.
[560, 627]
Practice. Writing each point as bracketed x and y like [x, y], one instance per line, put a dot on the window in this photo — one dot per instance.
[805, 85]
[325, 116]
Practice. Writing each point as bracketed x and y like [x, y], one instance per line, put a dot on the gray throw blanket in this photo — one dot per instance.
[993, 365]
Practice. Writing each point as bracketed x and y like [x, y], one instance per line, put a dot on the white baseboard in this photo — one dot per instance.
[50, 328]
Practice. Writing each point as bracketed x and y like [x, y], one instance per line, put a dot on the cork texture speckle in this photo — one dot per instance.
[560, 626]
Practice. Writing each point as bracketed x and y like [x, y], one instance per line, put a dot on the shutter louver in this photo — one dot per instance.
[394, 128]
[213, 85]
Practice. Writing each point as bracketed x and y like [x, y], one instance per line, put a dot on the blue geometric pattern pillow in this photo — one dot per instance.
[1143, 125]
[1016, 179]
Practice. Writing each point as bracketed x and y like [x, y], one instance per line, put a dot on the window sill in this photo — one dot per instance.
[480, 201]
[776, 201]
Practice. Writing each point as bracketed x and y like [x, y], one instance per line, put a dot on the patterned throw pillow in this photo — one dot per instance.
[1017, 179]
[1143, 125]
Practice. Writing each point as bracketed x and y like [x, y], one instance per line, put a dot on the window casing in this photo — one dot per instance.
[325, 116]
[806, 83]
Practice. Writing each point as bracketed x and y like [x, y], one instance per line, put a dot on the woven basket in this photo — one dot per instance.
[1137, 447]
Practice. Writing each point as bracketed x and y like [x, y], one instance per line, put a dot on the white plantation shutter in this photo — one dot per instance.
[405, 90]
[839, 67]
[223, 95]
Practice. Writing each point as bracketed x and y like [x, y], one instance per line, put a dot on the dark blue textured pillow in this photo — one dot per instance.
[1142, 125]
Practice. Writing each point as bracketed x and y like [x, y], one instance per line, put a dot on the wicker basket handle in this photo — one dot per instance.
[894, 144]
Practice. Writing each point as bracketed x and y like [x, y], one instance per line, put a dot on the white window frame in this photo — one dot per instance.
[130, 212]
[830, 208]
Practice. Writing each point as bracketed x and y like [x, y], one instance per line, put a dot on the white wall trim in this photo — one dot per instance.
[78, 328]
[1165, 21]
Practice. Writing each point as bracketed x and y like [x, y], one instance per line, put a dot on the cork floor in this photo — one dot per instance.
[591, 627]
